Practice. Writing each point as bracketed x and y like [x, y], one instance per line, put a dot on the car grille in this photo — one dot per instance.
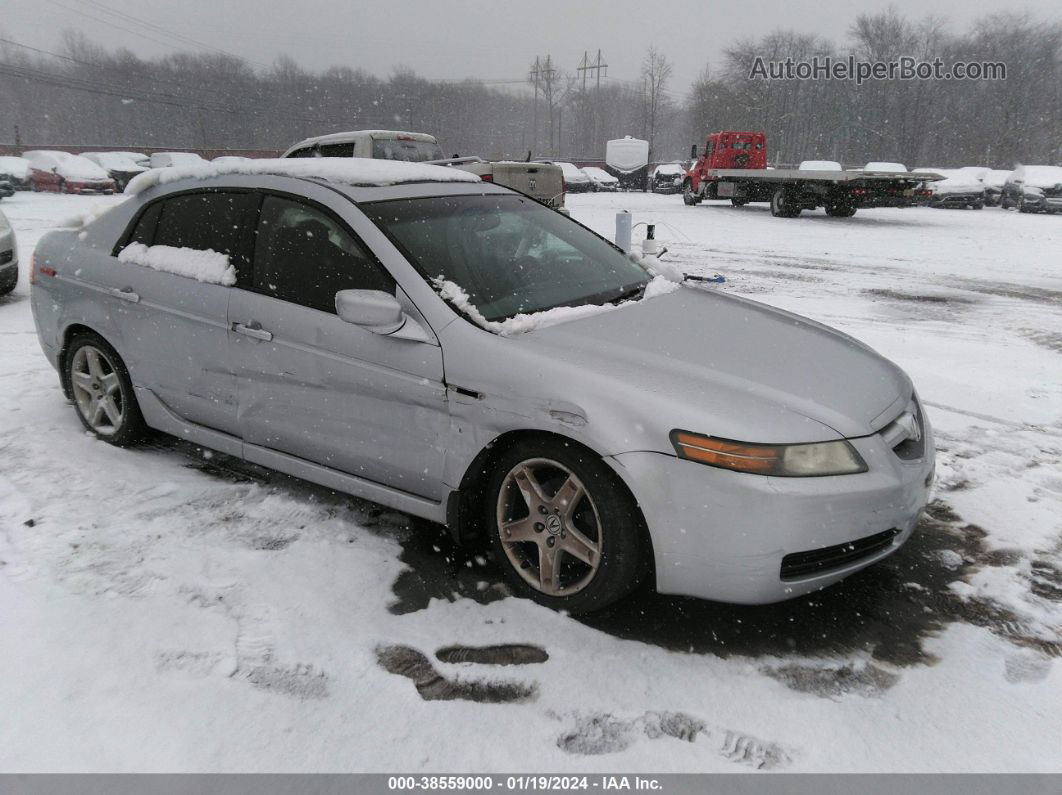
[799, 565]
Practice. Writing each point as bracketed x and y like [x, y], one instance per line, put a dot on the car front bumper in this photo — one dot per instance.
[723, 535]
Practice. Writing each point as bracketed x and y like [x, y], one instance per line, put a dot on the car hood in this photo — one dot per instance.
[731, 367]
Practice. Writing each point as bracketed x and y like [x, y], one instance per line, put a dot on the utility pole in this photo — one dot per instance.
[534, 76]
[596, 67]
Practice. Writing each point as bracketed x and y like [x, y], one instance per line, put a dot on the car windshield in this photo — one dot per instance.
[401, 149]
[509, 253]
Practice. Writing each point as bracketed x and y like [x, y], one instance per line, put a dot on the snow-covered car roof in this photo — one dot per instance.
[599, 174]
[17, 167]
[572, 172]
[77, 167]
[114, 161]
[996, 177]
[669, 168]
[45, 158]
[956, 180]
[884, 165]
[1039, 176]
[355, 171]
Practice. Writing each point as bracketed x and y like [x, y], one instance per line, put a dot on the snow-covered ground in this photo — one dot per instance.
[167, 609]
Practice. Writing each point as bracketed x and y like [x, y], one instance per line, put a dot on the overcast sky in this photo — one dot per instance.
[485, 39]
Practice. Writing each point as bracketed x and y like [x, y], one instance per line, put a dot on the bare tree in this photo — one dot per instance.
[656, 104]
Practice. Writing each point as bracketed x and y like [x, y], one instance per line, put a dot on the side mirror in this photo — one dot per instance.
[693, 152]
[378, 312]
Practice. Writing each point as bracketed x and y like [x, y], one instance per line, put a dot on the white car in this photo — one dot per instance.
[601, 179]
[667, 178]
[575, 179]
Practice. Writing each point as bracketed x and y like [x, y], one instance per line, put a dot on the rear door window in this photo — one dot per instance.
[305, 255]
[215, 220]
[144, 231]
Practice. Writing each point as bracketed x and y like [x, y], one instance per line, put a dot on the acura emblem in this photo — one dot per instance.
[531, 183]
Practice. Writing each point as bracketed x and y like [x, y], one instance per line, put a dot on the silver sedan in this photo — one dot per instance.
[455, 350]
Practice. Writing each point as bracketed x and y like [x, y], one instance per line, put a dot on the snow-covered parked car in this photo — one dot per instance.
[62, 172]
[6, 188]
[667, 178]
[139, 158]
[958, 189]
[8, 256]
[16, 170]
[456, 350]
[575, 179]
[1034, 189]
[993, 182]
[601, 179]
[172, 159]
[118, 165]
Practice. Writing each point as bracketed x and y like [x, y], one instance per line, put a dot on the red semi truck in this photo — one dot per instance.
[733, 166]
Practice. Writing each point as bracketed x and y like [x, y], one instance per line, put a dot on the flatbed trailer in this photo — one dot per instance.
[790, 191]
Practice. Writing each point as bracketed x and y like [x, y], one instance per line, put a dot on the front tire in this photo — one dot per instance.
[688, 196]
[102, 391]
[563, 527]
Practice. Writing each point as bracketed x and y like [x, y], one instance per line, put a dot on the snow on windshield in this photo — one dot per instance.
[524, 322]
[344, 170]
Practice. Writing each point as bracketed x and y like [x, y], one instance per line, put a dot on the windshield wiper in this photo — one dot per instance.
[630, 294]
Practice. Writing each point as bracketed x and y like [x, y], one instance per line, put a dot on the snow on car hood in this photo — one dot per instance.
[344, 170]
[17, 167]
[1039, 176]
[76, 167]
[700, 354]
[956, 181]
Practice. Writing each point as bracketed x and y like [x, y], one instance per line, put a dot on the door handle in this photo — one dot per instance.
[126, 294]
[252, 329]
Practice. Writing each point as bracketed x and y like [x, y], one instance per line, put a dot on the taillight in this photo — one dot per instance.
[35, 271]
[564, 186]
[487, 178]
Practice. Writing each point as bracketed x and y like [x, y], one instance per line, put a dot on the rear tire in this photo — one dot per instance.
[840, 210]
[784, 204]
[563, 527]
[102, 391]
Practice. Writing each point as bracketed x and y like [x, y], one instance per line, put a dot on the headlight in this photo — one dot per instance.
[780, 460]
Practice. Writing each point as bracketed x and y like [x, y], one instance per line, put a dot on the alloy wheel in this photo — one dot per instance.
[97, 390]
[549, 527]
